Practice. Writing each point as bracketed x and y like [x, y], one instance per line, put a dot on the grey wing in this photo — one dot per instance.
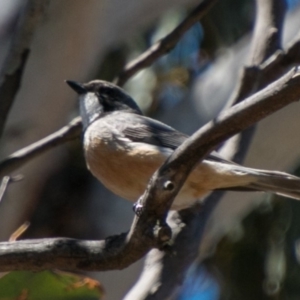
[147, 130]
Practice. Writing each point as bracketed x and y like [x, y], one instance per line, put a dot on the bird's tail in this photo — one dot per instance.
[279, 183]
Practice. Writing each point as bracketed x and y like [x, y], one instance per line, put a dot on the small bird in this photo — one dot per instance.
[123, 148]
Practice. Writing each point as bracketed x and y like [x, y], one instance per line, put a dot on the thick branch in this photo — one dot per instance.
[233, 120]
[147, 232]
[10, 78]
[165, 45]
[168, 271]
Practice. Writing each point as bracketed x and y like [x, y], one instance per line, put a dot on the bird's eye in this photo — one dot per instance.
[106, 91]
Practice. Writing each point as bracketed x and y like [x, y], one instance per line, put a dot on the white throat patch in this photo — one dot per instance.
[90, 108]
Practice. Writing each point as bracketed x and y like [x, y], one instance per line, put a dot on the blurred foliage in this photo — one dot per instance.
[48, 285]
[242, 262]
[112, 63]
[173, 74]
[256, 260]
[226, 23]
[291, 284]
[199, 285]
[292, 3]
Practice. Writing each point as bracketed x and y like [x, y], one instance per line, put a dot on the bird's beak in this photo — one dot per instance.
[76, 86]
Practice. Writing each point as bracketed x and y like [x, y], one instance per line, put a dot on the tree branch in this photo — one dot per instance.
[10, 78]
[150, 230]
[6, 180]
[170, 270]
[266, 41]
[233, 120]
[267, 31]
[22, 156]
[165, 45]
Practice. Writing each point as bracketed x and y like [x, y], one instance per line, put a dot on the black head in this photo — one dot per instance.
[111, 97]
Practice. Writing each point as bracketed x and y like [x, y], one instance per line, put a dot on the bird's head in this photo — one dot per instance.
[98, 98]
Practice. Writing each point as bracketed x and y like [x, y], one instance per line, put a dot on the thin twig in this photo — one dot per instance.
[266, 41]
[150, 230]
[22, 156]
[20, 230]
[3, 186]
[165, 45]
[5, 182]
[11, 75]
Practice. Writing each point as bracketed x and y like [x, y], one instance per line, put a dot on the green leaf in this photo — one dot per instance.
[25, 285]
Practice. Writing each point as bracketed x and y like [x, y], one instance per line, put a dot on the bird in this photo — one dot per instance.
[123, 148]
